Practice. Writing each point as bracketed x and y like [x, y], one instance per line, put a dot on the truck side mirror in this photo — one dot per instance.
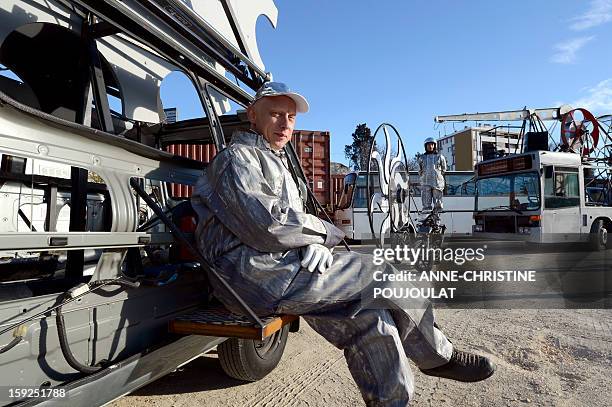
[346, 199]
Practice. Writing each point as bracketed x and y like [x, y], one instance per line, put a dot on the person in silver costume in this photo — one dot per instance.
[432, 166]
[278, 258]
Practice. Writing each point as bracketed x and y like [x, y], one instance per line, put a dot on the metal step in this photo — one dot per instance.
[218, 321]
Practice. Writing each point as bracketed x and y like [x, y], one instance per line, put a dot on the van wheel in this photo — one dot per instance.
[250, 360]
[599, 236]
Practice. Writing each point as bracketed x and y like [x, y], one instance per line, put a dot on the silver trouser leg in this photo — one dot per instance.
[428, 348]
[437, 198]
[426, 197]
[374, 354]
[340, 304]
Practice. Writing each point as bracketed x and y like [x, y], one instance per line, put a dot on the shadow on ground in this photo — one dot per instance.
[201, 374]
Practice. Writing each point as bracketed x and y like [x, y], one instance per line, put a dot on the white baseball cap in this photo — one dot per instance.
[281, 89]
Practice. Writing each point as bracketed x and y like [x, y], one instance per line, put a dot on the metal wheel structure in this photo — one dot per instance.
[389, 166]
[605, 125]
[579, 132]
[601, 158]
[588, 136]
[388, 189]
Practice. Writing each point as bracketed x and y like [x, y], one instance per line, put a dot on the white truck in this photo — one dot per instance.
[546, 196]
[543, 197]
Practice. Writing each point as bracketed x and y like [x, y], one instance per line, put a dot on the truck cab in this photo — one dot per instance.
[542, 197]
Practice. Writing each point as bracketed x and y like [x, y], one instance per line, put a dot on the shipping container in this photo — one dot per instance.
[312, 149]
[199, 152]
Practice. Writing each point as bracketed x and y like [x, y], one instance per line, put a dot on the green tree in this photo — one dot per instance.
[413, 163]
[357, 153]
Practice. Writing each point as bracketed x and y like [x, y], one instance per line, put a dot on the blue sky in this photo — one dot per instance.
[404, 62]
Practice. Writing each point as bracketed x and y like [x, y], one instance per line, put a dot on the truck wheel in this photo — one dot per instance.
[599, 236]
[250, 360]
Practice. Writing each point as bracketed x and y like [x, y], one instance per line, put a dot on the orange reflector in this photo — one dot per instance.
[535, 218]
[346, 221]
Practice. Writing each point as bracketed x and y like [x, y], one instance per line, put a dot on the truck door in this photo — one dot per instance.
[562, 202]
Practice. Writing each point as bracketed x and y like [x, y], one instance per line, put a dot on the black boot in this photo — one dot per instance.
[463, 367]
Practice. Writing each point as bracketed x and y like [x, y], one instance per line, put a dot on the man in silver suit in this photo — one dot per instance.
[278, 258]
[432, 166]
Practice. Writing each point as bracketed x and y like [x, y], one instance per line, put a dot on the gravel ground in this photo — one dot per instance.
[544, 357]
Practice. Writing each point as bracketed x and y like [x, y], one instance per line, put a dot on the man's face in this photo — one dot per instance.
[274, 118]
[429, 147]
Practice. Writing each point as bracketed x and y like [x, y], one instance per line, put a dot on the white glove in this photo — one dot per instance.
[317, 254]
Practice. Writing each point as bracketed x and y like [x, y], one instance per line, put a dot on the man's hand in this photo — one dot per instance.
[317, 255]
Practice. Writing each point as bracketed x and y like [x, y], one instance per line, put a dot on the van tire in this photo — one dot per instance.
[600, 238]
[251, 360]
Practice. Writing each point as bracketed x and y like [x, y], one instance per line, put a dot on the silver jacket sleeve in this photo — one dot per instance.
[260, 215]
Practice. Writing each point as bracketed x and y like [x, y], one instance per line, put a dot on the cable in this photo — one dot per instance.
[51, 309]
[11, 344]
[61, 325]
[153, 221]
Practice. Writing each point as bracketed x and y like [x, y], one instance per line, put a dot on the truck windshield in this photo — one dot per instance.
[516, 192]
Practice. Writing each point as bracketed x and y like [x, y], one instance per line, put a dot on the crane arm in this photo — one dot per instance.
[555, 113]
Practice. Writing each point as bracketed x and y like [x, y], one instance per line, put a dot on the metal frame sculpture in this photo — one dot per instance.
[392, 197]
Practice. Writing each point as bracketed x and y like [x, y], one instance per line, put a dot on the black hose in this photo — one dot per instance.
[68, 355]
[11, 344]
[49, 310]
[61, 327]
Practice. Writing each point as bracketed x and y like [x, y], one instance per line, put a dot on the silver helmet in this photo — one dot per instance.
[430, 140]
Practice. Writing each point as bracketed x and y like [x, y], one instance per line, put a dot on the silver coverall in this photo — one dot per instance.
[253, 227]
[432, 167]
